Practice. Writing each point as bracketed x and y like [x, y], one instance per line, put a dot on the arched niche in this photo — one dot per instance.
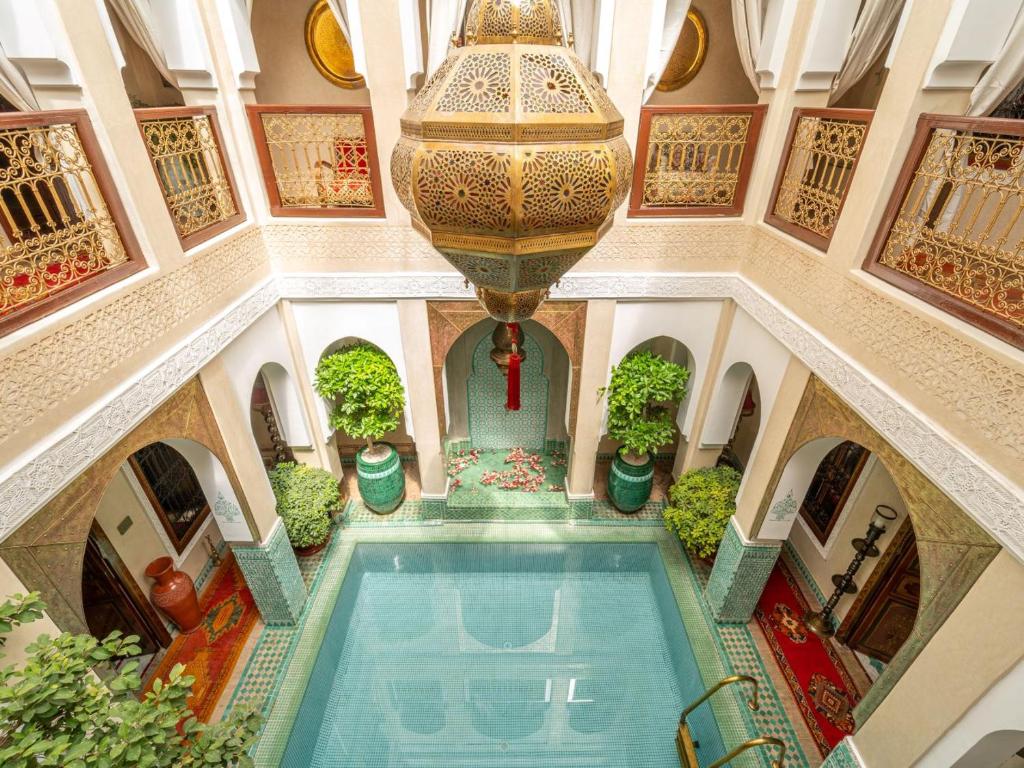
[475, 390]
[284, 399]
[953, 549]
[47, 551]
[403, 436]
[448, 320]
[675, 351]
[726, 405]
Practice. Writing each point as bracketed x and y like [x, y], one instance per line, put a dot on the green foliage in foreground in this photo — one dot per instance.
[306, 498]
[641, 389]
[366, 389]
[55, 712]
[700, 504]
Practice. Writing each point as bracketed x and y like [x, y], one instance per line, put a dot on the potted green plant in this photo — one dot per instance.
[368, 399]
[54, 710]
[306, 498]
[701, 502]
[642, 390]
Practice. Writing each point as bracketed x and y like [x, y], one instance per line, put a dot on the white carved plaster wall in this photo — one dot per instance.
[992, 499]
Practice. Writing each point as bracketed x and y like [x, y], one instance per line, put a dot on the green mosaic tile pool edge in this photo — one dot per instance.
[299, 666]
[713, 660]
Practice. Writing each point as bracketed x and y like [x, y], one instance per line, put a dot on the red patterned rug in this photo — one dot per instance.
[210, 653]
[820, 683]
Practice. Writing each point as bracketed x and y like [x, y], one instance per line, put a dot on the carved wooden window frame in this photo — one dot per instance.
[180, 543]
[135, 262]
[795, 230]
[277, 208]
[193, 239]
[926, 124]
[637, 209]
[823, 535]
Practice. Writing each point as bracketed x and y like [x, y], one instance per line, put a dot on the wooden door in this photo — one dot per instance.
[883, 621]
[113, 601]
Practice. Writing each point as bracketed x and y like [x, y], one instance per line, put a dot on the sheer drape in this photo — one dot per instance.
[748, 26]
[675, 16]
[1004, 75]
[14, 87]
[444, 19]
[873, 31]
[579, 18]
[135, 17]
[341, 16]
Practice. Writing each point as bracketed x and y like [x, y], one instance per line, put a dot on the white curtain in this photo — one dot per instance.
[579, 17]
[671, 26]
[873, 31]
[748, 26]
[137, 20]
[1004, 75]
[14, 87]
[444, 19]
[341, 16]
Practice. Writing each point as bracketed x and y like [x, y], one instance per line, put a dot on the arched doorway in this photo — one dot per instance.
[155, 505]
[264, 418]
[828, 496]
[677, 352]
[734, 417]
[186, 423]
[952, 550]
[490, 447]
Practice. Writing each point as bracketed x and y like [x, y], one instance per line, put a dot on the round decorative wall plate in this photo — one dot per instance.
[688, 55]
[329, 50]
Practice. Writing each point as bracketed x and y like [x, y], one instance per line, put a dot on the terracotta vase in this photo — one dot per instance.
[174, 594]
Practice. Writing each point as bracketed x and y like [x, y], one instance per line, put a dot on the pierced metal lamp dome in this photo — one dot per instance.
[511, 159]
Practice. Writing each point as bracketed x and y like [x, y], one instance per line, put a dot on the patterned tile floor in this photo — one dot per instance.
[720, 650]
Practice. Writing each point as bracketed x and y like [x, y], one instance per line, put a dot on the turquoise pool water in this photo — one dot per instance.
[504, 655]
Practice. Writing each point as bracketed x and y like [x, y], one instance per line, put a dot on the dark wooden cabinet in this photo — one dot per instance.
[883, 620]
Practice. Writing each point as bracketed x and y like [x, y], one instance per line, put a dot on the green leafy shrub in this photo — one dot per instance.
[55, 712]
[700, 504]
[366, 389]
[642, 388]
[306, 498]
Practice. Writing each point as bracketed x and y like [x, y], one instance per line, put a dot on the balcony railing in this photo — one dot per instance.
[318, 160]
[817, 166]
[185, 146]
[953, 233]
[695, 160]
[63, 232]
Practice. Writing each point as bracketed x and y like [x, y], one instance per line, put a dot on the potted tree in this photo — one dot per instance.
[306, 498]
[701, 502]
[642, 389]
[368, 400]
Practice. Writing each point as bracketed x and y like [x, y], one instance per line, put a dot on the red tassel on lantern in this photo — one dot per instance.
[514, 360]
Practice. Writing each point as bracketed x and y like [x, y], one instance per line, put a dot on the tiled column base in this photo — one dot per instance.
[843, 756]
[738, 578]
[272, 575]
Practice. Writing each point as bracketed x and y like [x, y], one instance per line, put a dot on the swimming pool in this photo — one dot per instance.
[500, 654]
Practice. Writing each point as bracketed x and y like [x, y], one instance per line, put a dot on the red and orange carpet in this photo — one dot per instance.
[210, 653]
[821, 684]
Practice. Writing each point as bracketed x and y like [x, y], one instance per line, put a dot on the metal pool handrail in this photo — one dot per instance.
[752, 704]
[686, 745]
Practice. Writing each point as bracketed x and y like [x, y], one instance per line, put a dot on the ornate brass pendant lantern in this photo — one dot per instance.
[512, 160]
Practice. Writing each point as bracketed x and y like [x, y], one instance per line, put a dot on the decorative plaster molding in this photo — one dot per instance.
[54, 367]
[30, 486]
[993, 501]
[318, 244]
